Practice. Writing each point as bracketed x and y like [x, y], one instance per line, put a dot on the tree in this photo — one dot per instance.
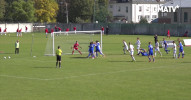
[46, 10]
[81, 9]
[2, 9]
[102, 14]
[20, 11]
[143, 20]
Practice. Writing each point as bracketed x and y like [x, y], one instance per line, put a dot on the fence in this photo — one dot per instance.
[114, 28]
[130, 29]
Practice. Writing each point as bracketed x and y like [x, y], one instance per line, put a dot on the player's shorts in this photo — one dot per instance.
[181, 50]
[132, 52]
[174, 51]
[98, 50]
[91, 51]
[168, 35]
[75, 48]
[157, 49]
[125, 48]
[58, 58]
[138, 47]
[150, 53]
[166, 47]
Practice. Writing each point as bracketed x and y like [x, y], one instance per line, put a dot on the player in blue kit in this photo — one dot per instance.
[150, 49]
[98, 49]
[91, 50]
[181, 49]
[165, 46]
[143, 52]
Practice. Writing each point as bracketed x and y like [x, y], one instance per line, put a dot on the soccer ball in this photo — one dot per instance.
[5, 57]
[9, 57]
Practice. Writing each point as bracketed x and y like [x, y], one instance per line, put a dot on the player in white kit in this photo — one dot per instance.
[125, 47]
[174, 50]
[138, 43]
[131, 48]
[157, 48]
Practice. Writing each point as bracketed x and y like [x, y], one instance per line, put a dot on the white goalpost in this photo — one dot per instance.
[67, 39]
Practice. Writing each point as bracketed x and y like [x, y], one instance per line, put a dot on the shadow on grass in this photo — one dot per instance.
[44, 67]
[6, 53]
[118, 54]
[125, 61]
[79, 57]
[185, 62]
[164, 57]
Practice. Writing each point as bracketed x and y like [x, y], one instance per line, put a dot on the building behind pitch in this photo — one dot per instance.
[133, 10]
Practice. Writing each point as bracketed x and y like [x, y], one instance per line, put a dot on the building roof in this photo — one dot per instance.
[148, 1]
[140, 1]
[180, 3]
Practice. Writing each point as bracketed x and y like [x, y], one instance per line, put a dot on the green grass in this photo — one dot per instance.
[114, 77]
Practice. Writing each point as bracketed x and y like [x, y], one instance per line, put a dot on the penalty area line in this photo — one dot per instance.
[69, 77]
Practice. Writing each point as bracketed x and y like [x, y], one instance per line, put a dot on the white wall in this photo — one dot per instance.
[12, 27]
[147, 10]
[2, 27]
[133, 11]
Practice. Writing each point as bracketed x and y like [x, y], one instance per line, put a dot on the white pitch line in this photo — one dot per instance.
[20, 77]
[69, 77]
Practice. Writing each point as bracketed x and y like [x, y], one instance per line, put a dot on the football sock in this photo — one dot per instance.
[89, 55]
[56, 64]
[59, 64]
[96, 54]
[80, 52]
[178, 55]
[149, 59]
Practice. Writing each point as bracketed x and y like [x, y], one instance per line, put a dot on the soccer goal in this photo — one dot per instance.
[66, 41]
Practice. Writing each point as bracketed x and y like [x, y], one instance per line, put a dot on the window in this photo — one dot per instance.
[140, 17]
[111, 6]
[185, 16]
[147, 17]
[127, 9]
[147, 9]
[140, 8]
[119, 9]
[164, 14]
[175, 16]
[154, 16]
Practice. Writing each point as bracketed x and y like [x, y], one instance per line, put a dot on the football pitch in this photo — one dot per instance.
[30, 75]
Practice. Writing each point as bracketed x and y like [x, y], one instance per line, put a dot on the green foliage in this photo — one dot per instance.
[20, 11]
[79, 20]
[46, 10]
[82, 9]
[102, 14]
[143, 20]
[2, 9]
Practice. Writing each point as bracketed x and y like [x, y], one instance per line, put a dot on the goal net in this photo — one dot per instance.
[66, 40]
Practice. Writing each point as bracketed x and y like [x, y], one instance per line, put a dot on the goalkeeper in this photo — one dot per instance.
[75, 47]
